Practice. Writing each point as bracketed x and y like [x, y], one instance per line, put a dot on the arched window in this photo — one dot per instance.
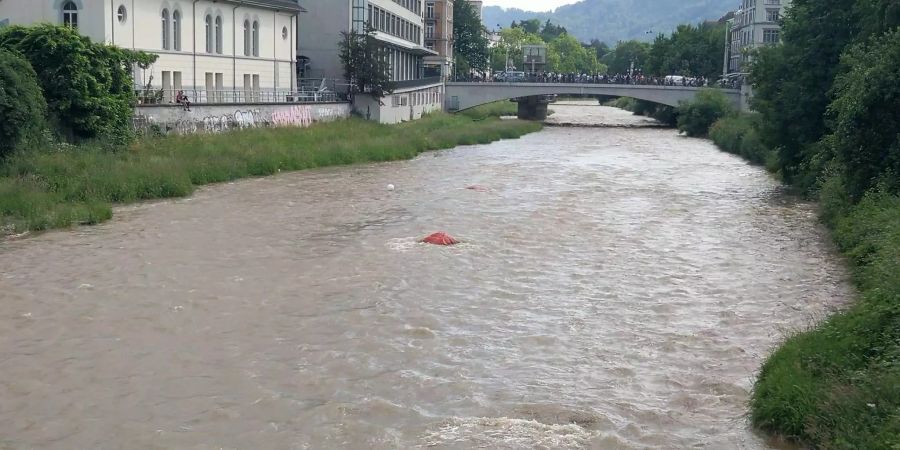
[209, 34]
[70, 14]
[176, 30]
[255, 38]
[246, 38]
[219, 34]
[165, 29]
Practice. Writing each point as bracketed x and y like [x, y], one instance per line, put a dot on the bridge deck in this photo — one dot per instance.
[462, 96]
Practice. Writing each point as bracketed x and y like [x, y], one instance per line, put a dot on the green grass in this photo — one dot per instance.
[836, 386]
[496, 109]
[47, 189]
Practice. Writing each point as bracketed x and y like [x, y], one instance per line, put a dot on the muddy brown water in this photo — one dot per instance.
[616, 288]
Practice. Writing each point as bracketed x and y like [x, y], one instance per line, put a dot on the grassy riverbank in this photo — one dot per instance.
[70, 185]
[836, 386]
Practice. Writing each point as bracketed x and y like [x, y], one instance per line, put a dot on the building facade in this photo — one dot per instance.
[439, 37]
[399, 27]
[221, 51]
[756, 23]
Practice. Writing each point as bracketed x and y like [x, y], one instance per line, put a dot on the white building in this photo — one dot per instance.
[399, 26]
[217, 51]
[756, 23]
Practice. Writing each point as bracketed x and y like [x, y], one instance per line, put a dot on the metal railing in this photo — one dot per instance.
[235, 96]
[406, 84]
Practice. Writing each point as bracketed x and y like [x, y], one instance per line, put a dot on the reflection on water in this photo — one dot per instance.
[615, 289]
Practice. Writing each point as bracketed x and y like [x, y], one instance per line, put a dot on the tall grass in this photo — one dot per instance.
[78, 185]
[836, 386]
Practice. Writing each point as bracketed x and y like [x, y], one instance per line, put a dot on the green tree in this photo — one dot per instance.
[690, 50]
[22, 105]
[511, 42]
[532, 26]
[600, 48]
[551, 31]
[696, 117]
[88, 86]
[471, 45]
[791, 84]
[866, 116]
[366, 65]
[573, 57]
[619, 59]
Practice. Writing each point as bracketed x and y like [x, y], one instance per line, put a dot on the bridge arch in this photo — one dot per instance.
[462, 96]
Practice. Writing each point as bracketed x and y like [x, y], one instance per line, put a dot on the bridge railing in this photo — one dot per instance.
[593, 80]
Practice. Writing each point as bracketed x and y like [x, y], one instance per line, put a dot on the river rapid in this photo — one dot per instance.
[615, 289]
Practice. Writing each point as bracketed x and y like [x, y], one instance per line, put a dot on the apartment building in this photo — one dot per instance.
[756, 23]
[216, 50]
[439, 37]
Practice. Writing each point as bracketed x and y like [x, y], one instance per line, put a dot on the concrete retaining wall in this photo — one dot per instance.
[168, 119]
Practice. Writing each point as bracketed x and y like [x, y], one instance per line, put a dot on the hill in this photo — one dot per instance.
[613, 20]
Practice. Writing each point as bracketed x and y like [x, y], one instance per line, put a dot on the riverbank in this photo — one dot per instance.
[67, 185]
[836, 385]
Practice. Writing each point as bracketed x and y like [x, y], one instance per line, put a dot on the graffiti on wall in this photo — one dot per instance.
[191, 123]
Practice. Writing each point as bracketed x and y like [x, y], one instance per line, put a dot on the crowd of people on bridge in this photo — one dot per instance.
[633, 79]
[636, 78]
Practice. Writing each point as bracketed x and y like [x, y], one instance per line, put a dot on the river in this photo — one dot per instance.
[615, 288]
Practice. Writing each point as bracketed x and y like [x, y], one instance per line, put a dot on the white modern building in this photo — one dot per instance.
[756, 23]
[399, 26]
[217, 51]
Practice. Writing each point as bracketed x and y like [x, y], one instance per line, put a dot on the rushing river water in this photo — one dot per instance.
[616, 288]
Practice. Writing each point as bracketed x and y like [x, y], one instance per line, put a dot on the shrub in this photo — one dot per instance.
[696, 117]
[88, 86]
[22, 105]
[739, 134]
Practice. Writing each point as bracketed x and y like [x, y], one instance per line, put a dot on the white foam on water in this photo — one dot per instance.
[402, 244]
[504, 432]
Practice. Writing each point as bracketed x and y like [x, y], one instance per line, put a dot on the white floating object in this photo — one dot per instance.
[390, 187]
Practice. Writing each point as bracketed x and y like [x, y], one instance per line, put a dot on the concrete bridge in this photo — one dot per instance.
[532, 97]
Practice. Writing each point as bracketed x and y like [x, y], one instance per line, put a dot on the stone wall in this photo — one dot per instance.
[169, 119]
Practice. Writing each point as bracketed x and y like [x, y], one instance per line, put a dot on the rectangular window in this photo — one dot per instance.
[773, 15]
[167, 86]
[210, 86]
[771, 36]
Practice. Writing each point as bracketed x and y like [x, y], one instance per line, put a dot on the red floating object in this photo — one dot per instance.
[440, 238]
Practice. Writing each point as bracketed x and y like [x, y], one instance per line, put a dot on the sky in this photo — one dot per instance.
[529, 5]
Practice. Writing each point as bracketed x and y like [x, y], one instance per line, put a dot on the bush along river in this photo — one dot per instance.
[614, 288]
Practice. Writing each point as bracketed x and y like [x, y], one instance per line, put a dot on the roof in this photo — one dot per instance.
[287, 5]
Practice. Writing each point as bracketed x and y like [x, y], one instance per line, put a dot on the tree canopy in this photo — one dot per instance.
[366, 65]
[88, 86]
[22, 105]
[471, 46]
